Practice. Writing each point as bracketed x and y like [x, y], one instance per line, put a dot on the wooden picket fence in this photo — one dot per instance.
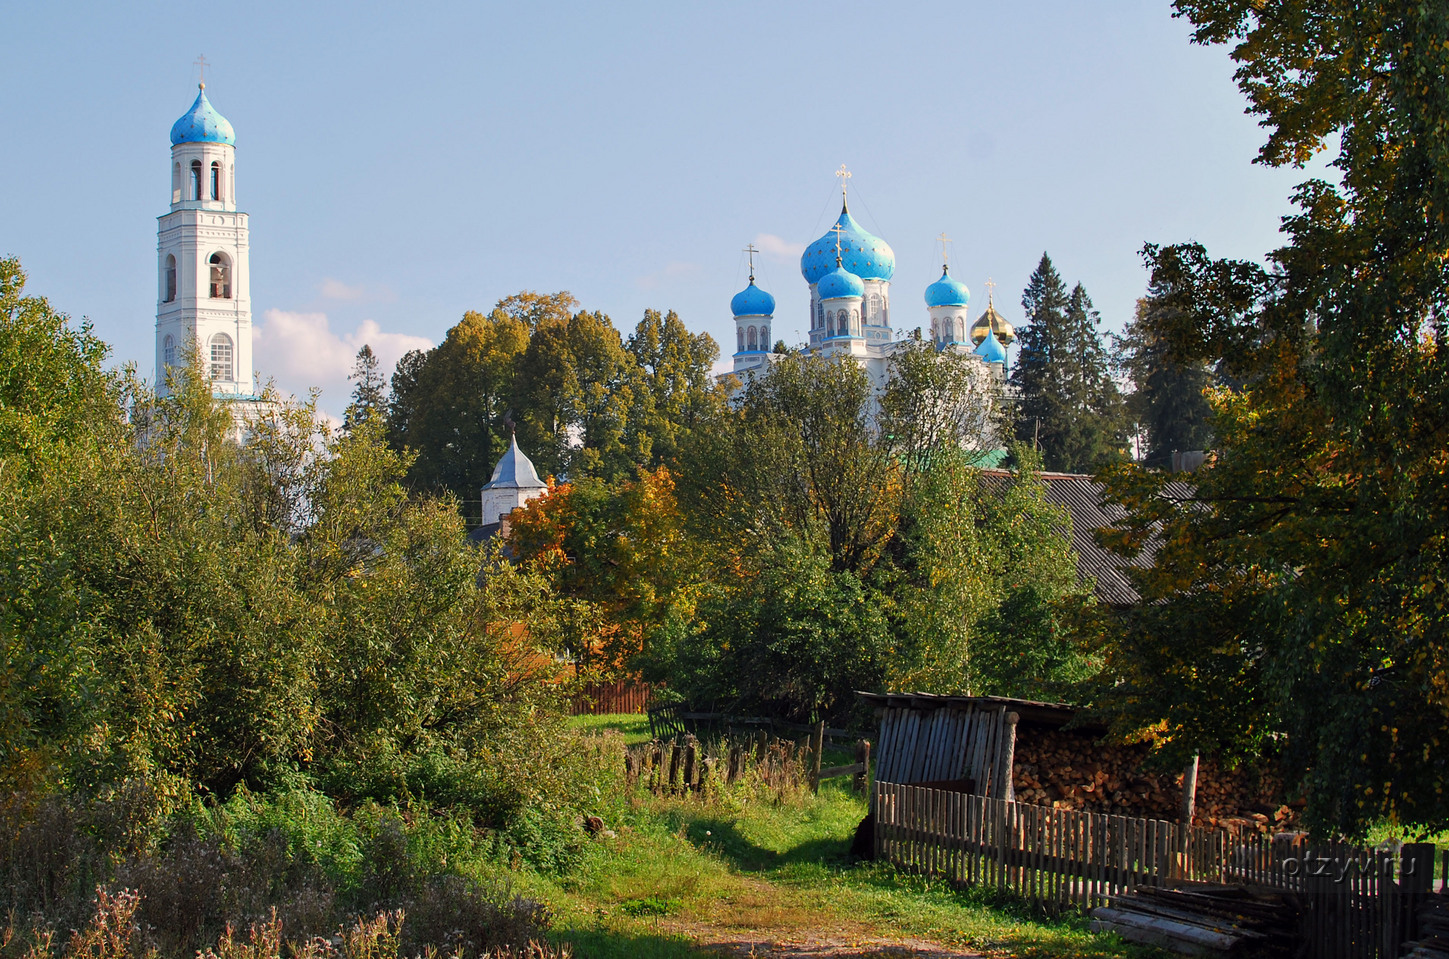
[600, 699]
[1355, 902]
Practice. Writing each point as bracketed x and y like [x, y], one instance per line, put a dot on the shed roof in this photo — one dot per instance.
[1030, 711]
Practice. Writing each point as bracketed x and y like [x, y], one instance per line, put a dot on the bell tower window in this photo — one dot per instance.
[215, 180]
[168, 350]
[168, 280]
[221, 356]
[220, 276]
[196, 179]
[175, 183]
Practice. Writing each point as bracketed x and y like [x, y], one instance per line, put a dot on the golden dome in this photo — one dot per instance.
[995, 323]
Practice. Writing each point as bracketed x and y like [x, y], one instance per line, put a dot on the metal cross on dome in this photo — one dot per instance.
[990, 285]
[750, 249]
[844, 175]
[200, 64]
[837, 229]
[945, 258]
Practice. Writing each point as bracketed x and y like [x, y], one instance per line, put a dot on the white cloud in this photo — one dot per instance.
[781, 249]
[337, 290]
[671, 271]
[301, 352]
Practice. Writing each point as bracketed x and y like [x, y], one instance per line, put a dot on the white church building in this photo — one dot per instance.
[203, 285]
[849, 274]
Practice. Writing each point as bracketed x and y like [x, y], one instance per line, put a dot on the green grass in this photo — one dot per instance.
[741, 866]
[633, 727]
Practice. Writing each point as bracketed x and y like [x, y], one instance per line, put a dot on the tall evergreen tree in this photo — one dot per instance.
[1167, 399]
[369, 394]
[1067, 403]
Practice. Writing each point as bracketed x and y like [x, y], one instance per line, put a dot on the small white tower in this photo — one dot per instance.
[514, 483]
[840, 294]
[754, 312]
[203, 279]
[946, 301]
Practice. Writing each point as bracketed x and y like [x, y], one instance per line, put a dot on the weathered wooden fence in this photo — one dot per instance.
[1355, 902]
[599, 699]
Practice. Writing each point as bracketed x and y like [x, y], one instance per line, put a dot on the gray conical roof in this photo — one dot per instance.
[515, 471]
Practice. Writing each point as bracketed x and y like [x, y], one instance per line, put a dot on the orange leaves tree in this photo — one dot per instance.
[618, 555]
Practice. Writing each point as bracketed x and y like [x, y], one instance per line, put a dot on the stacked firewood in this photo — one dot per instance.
[1071, 770]
[1204, 919]
[1433, 930]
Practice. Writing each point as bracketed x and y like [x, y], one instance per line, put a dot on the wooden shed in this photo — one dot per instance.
[967, 743]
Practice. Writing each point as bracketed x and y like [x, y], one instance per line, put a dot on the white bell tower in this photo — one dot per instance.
[203, 295]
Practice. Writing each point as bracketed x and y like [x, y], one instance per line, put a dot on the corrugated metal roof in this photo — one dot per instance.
[1081, 497]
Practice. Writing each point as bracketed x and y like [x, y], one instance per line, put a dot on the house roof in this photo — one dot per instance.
[1081, 496]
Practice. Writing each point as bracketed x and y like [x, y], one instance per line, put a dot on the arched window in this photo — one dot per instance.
[168, 280]
[741, 332]
[819, 315]
[215, 180]
[175, 183]
[754, 339]
[764, 337]
[196, 179]
[168, 350]
[855, 322]
[829, 324]
[221, 357]
[960, 329]
[873, 305]
[935, 332]
[220, 276]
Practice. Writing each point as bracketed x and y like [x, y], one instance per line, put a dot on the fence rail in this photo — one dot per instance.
[1355, 902]
[598, 699]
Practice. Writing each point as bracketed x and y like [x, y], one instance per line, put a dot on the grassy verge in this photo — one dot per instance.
[741, 867]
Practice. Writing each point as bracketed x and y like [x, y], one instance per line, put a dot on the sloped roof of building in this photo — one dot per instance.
[1081, 496]
[515, 471]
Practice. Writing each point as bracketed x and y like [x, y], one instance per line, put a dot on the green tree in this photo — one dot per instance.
[675, 367]
[369, 396]
[1068, 405]
[1309, 568]
[449, 404]
[1168, 398]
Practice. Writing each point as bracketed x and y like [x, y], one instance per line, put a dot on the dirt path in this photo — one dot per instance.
[812, 947]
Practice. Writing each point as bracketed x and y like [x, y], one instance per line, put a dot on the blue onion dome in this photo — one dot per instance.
[202, 124]
[947, 292]
[868, 257]
[991, 350]
[839, 282]
[752, 301]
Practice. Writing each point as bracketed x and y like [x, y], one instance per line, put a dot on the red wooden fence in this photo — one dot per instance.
[623, 696]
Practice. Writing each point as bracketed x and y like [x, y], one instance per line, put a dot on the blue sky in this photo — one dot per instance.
[402, 165]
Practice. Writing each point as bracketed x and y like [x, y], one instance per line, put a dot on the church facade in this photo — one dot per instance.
[203, 279]
[849, 273]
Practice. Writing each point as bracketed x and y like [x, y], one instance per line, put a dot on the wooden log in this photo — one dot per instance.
[862, 756]
[1189, 791]
[1003, 783]
[1159, 930]
[817, 749]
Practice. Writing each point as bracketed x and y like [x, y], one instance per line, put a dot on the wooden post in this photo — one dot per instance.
[688, 765]
[703, 785]
[674, 757]
[1004, 788]
[761, 738]
[1189, 792]
[732, 772]
[817, 748]
[862, 756]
